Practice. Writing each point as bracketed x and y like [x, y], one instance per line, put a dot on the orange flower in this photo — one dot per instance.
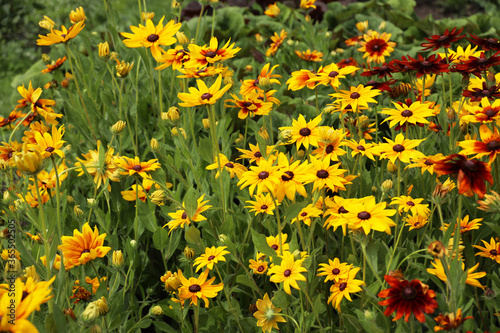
[277, 41]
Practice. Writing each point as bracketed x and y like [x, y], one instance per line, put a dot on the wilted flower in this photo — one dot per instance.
[123, 68]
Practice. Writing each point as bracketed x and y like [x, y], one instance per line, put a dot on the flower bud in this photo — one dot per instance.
[386, 185]
[181, 38]
[70, 199]
[301, 154]
[329, 109]
[113, 56]
[171, 280]
[103, 50]
[264, 83]
[117, 258]
[285, 136]
[263, 133]
[239, 140]
[157, 310]
[31, 272]
[154, 144]
[29, 162]
[95, 329]
[173, 114]
[46, 58]
[362, 26]
[102, 305]
[133, 243]
[158, 197]
[77, 15]
[328, 34]
[69, 313]
[46, 23]
[188, 252]
[118, 127]
[437, 249]
[222, 238]
[91, 312]
[123, 68]
[65, 83]
[381, 26]
[78, 211]
[206, 123]
[147, 16]
[248, 68]
[91, 202]
[391, 167]
[175, 4]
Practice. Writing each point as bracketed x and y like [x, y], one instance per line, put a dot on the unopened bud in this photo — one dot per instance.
[118, 258]
[118, 127]
[228, 80]
[182, 38]
[91, 202]
[206, 123]
[437, 249]
[133, 243]
[78, 211]
[264, 83]
[46, 58]
[188, 252]
[158, 197]
[386, 185]
[391, 167]
[95, 329]
[147, 16]
[248, 68]
[285, 136]
[175, 4]
[103, 50]
[173, 113]
[123, 68]
[157, 310]
[263, 133]
[154, 144]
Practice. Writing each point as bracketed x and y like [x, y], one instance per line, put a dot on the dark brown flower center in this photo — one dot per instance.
[355, 95]
[322, 174]
[210, 54]
[206, 96]
[364, 215]
[85, 251]
[287, 273]
[329, 149]
[333, 74]
[63, 35]
[408, 293]
[305, 131]
[470, 165]
[490, 113]
[194, 288]
[184, 215]
[50, 149]
[247, 104]
[493, 252]
[287, 176]
[260, 268]
[416, 224]
[410, 203]
[229, 165]
[257, 154]
[264, 207]
[335, 271]
[342, 210]
[493, 145]
[153, 38]
[398, 148]
[263, 174]
[274, 247]
[342, 286]
[361, 148]
[304, 214]
[9, 155]
[211, 258]
[407, 113]
[428, 162]
[137, 168]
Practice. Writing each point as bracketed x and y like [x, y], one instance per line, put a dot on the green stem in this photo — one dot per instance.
[228, 298]
[363, 248]
[58, 197]
[215, 144]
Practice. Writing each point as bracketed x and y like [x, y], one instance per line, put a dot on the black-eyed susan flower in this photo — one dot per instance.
[435, 42]
[277, 40]
[211, 256]
[264, 177]
[193, 289]
[426, 163]
[343, 288]
[329, 144]
[356, 97]
[203, 95]
[491, 203]
[49, 144]
[312, 56]
[263, 204]
[490, 250]
[138, 191]
[485, 113]
[274, 243]
[151, 36]
[465, 225]
[77, 15]
[91, 162]
[306, 4]
[408, 204]
[60, 36]
[406, 298]
[488, 146]
[234, 169]
[450, 321]
[83, 246]
[255, 153]
[249, 106]
[258, 267]
[368, 214]
[171, 280]
[57, 263]
[331, 74]
[47, 180]
[325, 175]
[267, 315]
[130, 166]
[53, 66]
[400, 148]
[200, 56]
[293, 177]
[272, 10]
[376, 46]
[304, 133]
[180, 218]
[334, 270]
[364, 149]
[471, 174]
[336, 213]
[177, 58]
[288, 272]
[301, 79]
[416, 221]
[438, 270]
[431, 65]
[404, 114]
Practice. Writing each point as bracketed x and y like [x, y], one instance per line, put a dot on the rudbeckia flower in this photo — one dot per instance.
[376, 47]
[203, 55]
[325, 175]
[264, 176]
[488, 146]
[491, 250]
[83, 246]
[203, 95]
[450, 321]
[288, 272]
[313, 56]
[304, 133]
[293, 177]
[54, 65]
[400, 148]
[60, 36]
[131, 166]
[264, 204]
[368, 214]
[472, 277]
[344, 288]
[334, 270]
[181, 218]
[211, 256]
[152, 37]
[267, 315]
[330, 75]
[277, 40]
[193, 288]
[258, 267]
[356, 97]
[403, 114]
[48, 144]
[103, 172]
[444, 40]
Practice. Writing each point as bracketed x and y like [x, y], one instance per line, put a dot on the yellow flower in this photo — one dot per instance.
[91, 162]
[46, 23]
[83, 246]
[491, 250]
[203, 55]
[258, 267]
[274, 243]
[368, 214]
[401, 149]
[117, 258]
[357, 97]
[131, 166]
[264, 176]
[123, 68]
[304, 133]
[334, 270]
[307, 213]
[277, 40]
[28, 162]
[438, 271]
[408, 204]
[325, 175]
[103, 50]
[233, 168]
[48, 144]
[171, 280]
[203, 95]
[181, 218]
[152, 37]
[306, 4]
[267, 315]
[288, 272]
[60, 36]
[211, 256]
[196, 288]
[77, 15]
[272, 10]
[344, 288]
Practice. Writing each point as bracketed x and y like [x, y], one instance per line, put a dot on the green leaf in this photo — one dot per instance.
[246, 281]
[293, 210]
[192, 235]
[260, 243]
[160, 238]
[146, 215]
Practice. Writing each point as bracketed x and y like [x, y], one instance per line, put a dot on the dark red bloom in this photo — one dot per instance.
[398, 65]
[445, 40]
[485, 43]
[429, 65]
[479, 65]
[471, 174]
[382, 86]
[407, 297]
[477, 94]
[381, 71]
